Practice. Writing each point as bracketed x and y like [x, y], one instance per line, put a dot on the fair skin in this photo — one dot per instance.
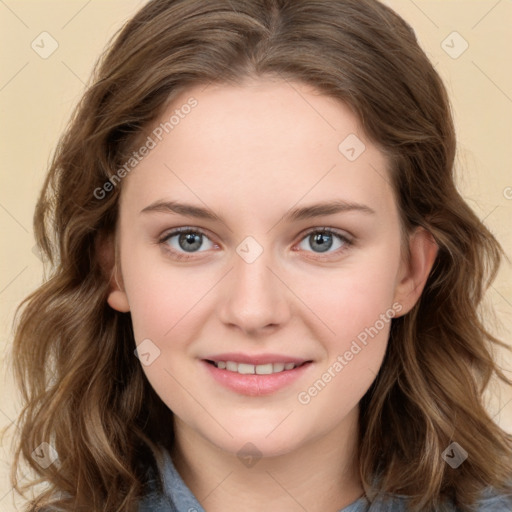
[251, 154]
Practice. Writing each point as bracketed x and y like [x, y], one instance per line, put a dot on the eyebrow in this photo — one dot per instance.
[297, 214]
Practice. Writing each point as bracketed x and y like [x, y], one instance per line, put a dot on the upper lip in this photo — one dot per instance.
[256, 359]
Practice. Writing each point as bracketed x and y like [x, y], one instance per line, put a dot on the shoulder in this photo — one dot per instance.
[154, 500]
[491, 501]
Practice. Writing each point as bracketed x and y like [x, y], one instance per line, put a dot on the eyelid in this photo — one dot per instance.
[316, 229]
[345, 237]
[162, 240]
[325, 229]
[182, 229]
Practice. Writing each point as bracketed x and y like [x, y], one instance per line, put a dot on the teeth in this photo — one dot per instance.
[279, 367]
[259, 369]
[245, 368]
[266, 369]
[231, 366]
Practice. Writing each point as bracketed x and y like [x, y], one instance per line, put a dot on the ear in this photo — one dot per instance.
[107, 255]
[415, 269]
[117, 298]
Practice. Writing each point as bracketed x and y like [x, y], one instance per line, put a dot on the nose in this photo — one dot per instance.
[255, 297]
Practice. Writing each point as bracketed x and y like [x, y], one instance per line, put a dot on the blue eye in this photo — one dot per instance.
[322, 240]
[188, 240]
[183, 242]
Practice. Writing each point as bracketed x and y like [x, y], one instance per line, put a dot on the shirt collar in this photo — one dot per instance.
[181, 499]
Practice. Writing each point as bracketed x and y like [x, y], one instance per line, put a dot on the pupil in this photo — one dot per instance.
[190, 239]
[324, 245]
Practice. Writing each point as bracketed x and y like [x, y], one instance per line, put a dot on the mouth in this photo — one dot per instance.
[255, 369]
[255, 376]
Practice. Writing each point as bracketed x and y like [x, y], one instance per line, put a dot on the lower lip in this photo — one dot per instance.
[253, 384]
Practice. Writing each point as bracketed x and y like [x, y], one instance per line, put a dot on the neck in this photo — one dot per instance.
[322, 474]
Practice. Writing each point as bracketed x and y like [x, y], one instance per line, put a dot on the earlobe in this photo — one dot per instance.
[414, 273]
[107, 255]
[117, 298]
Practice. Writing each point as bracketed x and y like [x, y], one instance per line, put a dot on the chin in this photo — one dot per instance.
[259, 443]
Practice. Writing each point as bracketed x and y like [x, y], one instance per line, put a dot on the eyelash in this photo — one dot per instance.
[347, 242]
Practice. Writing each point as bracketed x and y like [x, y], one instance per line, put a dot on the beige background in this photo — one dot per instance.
[37, 95]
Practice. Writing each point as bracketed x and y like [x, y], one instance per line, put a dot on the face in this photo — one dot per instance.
[289, 255]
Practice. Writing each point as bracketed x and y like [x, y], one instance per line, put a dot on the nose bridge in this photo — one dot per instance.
[255, 297]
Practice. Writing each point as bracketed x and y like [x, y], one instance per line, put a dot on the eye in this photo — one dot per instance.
[321, 240]
[184, 241]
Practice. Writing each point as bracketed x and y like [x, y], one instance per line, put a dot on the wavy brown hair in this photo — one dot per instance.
[84, 390]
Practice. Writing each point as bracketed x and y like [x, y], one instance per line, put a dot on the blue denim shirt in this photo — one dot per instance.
[178, 498]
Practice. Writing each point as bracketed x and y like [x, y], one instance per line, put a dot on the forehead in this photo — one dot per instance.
[264, 142]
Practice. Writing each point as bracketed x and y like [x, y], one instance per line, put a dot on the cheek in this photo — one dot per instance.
[354, 297]
[357, 305]
[360, 317]
[160, 295]
[164, 307]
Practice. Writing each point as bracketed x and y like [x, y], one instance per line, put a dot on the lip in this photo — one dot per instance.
[254, 384]
[255, 359]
